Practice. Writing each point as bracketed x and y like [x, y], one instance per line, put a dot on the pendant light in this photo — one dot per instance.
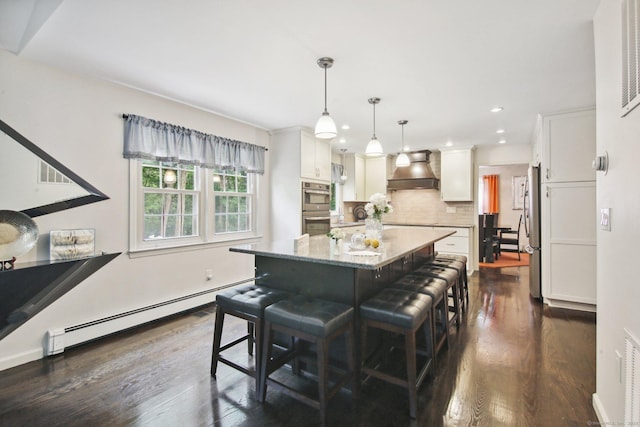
[343, 177]
[374, 148]
[402, 160]
[325, 127]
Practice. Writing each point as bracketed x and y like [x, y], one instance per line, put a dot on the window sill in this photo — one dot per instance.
[166, 250]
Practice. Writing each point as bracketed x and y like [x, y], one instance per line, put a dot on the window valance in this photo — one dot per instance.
[336, 172]
[153, 140]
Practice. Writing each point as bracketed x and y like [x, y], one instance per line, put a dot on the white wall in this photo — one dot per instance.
[78, 121]
[618, 292]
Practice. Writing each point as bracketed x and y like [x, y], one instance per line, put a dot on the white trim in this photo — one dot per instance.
[21, 358]
[598, 407]
[139, 253]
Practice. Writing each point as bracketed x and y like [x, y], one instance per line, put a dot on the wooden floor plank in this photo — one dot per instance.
[514, 362]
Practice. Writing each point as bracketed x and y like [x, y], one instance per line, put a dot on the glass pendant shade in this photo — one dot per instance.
[374, 148]
[325, 127]
[402, 160]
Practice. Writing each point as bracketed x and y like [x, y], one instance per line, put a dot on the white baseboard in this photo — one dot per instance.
[603, 419]
[21, 358]
[570, 305]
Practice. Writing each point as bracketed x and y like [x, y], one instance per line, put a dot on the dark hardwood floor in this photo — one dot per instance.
[512, 363]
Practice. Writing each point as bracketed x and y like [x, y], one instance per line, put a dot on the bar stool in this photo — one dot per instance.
[315, 321]
[246, 302]
[437, 290]
[451, 277]
[461, 269]
[465, 279]
[400, 312]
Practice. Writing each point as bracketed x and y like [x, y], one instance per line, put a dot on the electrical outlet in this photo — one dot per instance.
[209, 274]
[451, 209]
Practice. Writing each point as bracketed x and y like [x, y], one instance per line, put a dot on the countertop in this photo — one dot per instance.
[395, 243]
[404, 224]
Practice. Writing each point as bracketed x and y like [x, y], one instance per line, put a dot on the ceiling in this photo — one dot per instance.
[441, 65]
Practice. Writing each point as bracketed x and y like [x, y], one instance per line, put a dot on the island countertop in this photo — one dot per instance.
[395, 243]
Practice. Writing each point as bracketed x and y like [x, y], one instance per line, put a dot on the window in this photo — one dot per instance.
[232, 202]
[170, 200]
[176, 205]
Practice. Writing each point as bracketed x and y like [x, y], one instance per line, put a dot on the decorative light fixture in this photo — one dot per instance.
[343, 177]
[402, 160]
[325, 127]
[374, 148]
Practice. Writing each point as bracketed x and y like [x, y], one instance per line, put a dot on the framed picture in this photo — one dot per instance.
[71, 244]
[517, 192]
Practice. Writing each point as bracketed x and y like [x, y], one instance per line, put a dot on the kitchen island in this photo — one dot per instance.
[321, 271]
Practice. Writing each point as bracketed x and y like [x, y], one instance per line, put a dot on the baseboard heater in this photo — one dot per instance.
[56, 340]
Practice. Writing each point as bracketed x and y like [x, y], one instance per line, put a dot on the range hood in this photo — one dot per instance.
[418, 175]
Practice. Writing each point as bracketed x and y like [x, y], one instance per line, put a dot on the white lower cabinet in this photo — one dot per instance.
[456, 244]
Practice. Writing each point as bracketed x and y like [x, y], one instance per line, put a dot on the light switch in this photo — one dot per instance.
[605, 219]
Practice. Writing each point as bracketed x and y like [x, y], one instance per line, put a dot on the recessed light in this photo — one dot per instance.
[500, 131]
[502, 141]
[345, 127]
[449, 144]
[342, 140]
[497, 109]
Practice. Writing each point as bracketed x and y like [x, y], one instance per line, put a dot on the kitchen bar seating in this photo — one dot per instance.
[400, 312]
[437, 290]
[452, 278]
[318, 322]
[246, 302]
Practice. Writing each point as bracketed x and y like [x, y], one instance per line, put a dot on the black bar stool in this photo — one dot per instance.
[465, 279]
[246, 302]
[315, 321]
[451, 277]
[461, 269]
[437, 290]
[401, 312]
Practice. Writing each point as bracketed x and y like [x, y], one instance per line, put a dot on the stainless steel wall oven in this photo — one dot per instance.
[316, 199]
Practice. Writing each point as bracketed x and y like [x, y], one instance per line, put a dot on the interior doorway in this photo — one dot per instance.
[510, 180]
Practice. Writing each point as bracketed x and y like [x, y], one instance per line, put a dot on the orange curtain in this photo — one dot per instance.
[490, 197]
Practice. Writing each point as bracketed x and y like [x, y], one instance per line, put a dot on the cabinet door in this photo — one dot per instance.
[322, 156]
[456, 178]
[360, 178]
[376, 176]
[570, 145]
[569, 224]
[308, 156]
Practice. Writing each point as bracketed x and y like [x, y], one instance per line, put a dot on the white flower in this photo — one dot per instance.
[337, 233]
[377, 206]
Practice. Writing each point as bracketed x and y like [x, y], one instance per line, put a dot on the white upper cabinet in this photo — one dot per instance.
[376, 176]
[568, 146]
[456, 175]
[354, 187]
[315, 157]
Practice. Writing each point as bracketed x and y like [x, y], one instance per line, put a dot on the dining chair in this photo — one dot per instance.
[510, 238]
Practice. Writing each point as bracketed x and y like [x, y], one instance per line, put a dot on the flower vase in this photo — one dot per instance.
[336, 246]
[373, 228]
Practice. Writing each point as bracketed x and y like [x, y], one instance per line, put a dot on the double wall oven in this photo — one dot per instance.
[316, 200]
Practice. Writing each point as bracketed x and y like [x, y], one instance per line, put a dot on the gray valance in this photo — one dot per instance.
[336, 172]
[153, 140]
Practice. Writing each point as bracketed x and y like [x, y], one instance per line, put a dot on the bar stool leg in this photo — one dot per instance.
[410, 345]
[217, 337]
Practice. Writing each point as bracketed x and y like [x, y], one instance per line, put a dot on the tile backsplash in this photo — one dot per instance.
[425, 206]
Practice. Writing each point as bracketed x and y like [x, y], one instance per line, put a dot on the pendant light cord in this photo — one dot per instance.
[325, 89]
[374, 120]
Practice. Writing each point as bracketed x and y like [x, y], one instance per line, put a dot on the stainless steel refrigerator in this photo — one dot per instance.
[532, 228]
